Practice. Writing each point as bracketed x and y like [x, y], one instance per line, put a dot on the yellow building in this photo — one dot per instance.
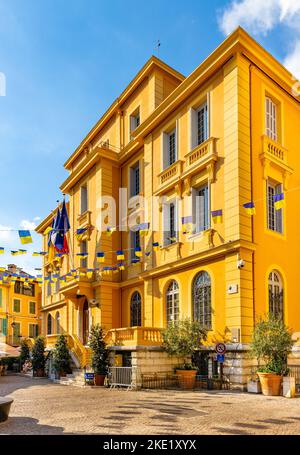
[20, 305]
[222, 137]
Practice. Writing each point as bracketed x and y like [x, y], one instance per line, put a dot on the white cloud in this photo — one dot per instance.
[292, 60]
[26, 224]
[259, 17]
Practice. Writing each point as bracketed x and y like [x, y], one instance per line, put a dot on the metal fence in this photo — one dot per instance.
[172, 381]
[294, 371]
[121, 376]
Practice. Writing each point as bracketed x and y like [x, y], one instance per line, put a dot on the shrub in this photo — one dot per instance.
[38, 354]
[99, 350]
[24, 351]
[272, 342]
[61, 355]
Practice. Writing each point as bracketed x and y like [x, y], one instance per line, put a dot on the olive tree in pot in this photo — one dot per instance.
[24, 351]
[61, 357]
[271, 342]
[182, 338]
[99, 354]
[38, 357]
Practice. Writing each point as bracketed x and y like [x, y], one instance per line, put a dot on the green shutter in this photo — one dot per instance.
[4, 326]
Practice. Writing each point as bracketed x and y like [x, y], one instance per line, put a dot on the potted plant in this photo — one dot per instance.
[271, 342]
[38, 357]
[181, 339]
[24, 352]
[99, 350]
[61, 357]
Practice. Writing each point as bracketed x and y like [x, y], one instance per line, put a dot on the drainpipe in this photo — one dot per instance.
[251, 179]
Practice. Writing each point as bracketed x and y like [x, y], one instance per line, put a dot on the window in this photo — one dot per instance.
[17, 306]
[135, 242]
[83, 249]
[201, 209]
[135, 120]
[33, 330]
[21, 288]
[135, 180]
[49, 324]
[136, 310]
[271, 119]
[202, 299]
[49, 290]
[16, 332]
[274, 216]
[172, 299]
[170, 223]
[169, 148]
[57, 323]
[199, 125]
[3, 327]
[32, 307]
[83, 199]
[275, 294]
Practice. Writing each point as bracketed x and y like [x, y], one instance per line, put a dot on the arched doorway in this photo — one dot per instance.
[85, 322]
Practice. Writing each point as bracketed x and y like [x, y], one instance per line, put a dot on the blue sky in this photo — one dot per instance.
[66, 61]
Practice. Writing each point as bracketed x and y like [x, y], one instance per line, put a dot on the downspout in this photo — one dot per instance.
[251, 180]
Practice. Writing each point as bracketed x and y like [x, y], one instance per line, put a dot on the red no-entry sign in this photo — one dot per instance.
[220, 348]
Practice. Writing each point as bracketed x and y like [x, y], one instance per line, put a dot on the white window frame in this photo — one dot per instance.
[134, 120]
[271, 115]
[199, 221]
[172, 298]
[133, 235]
[84, 201]
[132, 177]
[274, 217]
[194, 124]
[166, 222]
[166, 147]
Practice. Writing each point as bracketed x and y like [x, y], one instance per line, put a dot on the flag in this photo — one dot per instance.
[217, 216]
[89, 273]
[138, 251]
[120, 255]
[22, 251]
[187, 224]
[279, 201]
[100, 256]
[144, 228]
[148, 253]
[135, 261]
[80, 233]
[121, 266]
[63, 226]
[250, 208]
[2, 250]
[74, 272]
[172, 239]
[47, 230]
[110, 230]
[25, 237]
[2, 269]
[107, 270]
[82, 255]
[39, 253]
[155, 246]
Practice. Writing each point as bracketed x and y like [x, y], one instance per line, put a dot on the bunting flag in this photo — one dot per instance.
[144, 228]
[138, 251]
[217, 216]
[135, 261]
[250, 208]
[121, 266]
[89, 273]
[47, 230]
[25, 237]
[120, 255]
[107, 270]
[82, 255]
[2, 269]
[155, 246]
[279, 201]
[2, 250]
[110, 230]
[187, 224]
[100, 256]
[148, 253]
[172, 239]
[80, 233]
[18, 252]
[74, 272]
[39, 253]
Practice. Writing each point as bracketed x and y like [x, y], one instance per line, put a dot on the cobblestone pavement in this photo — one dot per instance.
[41, 407]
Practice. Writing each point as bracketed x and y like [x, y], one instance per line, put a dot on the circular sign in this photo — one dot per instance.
[220, 348]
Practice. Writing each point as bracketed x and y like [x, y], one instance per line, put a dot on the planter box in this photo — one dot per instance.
[289, 387]
[253, 387]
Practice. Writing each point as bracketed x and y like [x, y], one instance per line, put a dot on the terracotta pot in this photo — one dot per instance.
[40, 372]
[99, 379]
[270, 383]
[62, 374]
[186, 378]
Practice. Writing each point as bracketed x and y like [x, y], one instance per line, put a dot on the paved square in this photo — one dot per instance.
[41, 407]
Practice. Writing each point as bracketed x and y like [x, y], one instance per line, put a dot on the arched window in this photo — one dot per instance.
[202, 299]
[172, 300]
[57, 323]
[49, 324]
[136, 310]
[275, 294]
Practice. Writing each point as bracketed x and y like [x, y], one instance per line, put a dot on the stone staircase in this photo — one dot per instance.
[75, 379]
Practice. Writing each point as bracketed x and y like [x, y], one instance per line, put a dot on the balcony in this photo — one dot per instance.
[135, 336]
[84, 220]
[273, 150]
[275, 155]
[168, 177]
[201, 157]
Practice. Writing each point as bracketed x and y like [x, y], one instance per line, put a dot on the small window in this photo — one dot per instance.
[32, 308]
[17, 306]
[83, 249]
[172, 300]
[201, 208]
[199, 125]
[33, 330]
[135, 242]
[136, 310]
[49, 290]
[170, 224]
[274, 216]
[169, 148]
[83, 199]
[49, 324]
[271, 119]
[135, 120]
[135, 180]
[57, 323]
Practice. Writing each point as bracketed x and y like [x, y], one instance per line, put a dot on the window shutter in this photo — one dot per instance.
[193, 128]
[165, 150]
[4, 326]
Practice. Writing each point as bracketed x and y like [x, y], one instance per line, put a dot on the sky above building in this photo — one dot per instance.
[64, 63]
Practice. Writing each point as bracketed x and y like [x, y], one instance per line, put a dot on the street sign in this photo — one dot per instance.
[220, 348]
[220, 358]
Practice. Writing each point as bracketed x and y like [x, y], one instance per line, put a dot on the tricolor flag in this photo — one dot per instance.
[25, 237]
[250, 208]
[217, 216]
[279, 201]
[63, 226]
[120, 255]
[138, 251]
[100, 256]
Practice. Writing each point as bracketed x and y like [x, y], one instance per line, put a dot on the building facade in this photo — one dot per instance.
[183, 147]
[20, 306]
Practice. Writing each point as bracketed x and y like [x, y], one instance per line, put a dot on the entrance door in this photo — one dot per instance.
[85, 323]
